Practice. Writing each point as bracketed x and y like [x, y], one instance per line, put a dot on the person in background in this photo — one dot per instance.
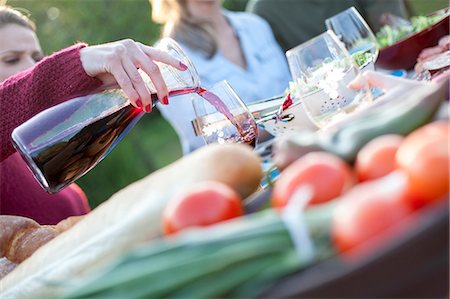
[296, 21]
[235, 46]
[30, 83]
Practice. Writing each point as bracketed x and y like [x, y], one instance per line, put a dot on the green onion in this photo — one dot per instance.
[237, 258]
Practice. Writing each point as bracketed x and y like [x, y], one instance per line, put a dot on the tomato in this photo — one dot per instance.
[328, 175]
[377, 157]
[368, 210]
[202, 204]
[424, 156]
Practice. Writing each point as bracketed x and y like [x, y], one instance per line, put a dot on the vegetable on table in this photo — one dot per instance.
[202, 204]
[327, 175]
[369, 209]
[235, 259]
[424, 157]
[377, 158]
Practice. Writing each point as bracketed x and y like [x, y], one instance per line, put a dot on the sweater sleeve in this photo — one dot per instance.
[53, 80]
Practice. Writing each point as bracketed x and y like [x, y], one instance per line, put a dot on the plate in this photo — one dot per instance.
[403, 54]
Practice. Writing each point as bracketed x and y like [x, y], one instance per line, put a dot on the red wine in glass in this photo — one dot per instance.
[246, 128]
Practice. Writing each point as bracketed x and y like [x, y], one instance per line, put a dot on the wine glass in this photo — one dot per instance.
[322, 69]
[351, 29]
[233, 124]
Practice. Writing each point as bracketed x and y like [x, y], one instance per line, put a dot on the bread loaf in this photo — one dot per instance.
[127, 219]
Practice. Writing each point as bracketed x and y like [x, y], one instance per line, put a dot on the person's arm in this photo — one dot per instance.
[53, 80]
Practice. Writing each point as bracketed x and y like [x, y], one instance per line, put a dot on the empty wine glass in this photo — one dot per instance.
[322, 69]
[233, 124]
[351, 29]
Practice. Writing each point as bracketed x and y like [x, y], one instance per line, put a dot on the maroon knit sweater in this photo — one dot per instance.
[55, 79]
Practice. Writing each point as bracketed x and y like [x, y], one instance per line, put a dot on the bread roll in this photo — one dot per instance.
[20, 237]
[10, 227]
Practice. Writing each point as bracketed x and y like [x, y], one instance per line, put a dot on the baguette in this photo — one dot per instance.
[127, 219]
[20, 237]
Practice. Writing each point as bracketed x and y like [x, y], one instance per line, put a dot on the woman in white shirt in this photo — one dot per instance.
[235, 46]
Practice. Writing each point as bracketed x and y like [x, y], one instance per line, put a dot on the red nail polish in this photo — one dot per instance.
[148, 108]
[183, 66]
[166, 100]
[139, 103]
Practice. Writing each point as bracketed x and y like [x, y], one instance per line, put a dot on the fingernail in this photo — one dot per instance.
[148, 108]
[183, 66]
[139, 103]
[166, 100]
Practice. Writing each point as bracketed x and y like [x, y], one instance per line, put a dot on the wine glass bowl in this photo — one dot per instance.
[322, 70]
[233, 124]
[354, 32]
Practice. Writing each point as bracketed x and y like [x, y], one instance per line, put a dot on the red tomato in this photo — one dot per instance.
[328, 175]
[424, 156]
[377, 158]
[368, 210]
[202, 204]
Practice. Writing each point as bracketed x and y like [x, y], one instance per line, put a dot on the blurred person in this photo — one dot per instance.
[223, 45]
[30, 83]
[296, 21]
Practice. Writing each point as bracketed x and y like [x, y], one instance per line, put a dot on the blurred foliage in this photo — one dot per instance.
[63, 22]
[236, 5]
[152, 144]
[424, 7]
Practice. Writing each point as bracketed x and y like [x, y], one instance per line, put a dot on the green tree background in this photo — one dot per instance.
[152, 144]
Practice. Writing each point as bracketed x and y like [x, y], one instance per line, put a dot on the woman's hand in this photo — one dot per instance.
[117, 63]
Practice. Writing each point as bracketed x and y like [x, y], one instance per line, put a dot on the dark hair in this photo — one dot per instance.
[9, 15]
